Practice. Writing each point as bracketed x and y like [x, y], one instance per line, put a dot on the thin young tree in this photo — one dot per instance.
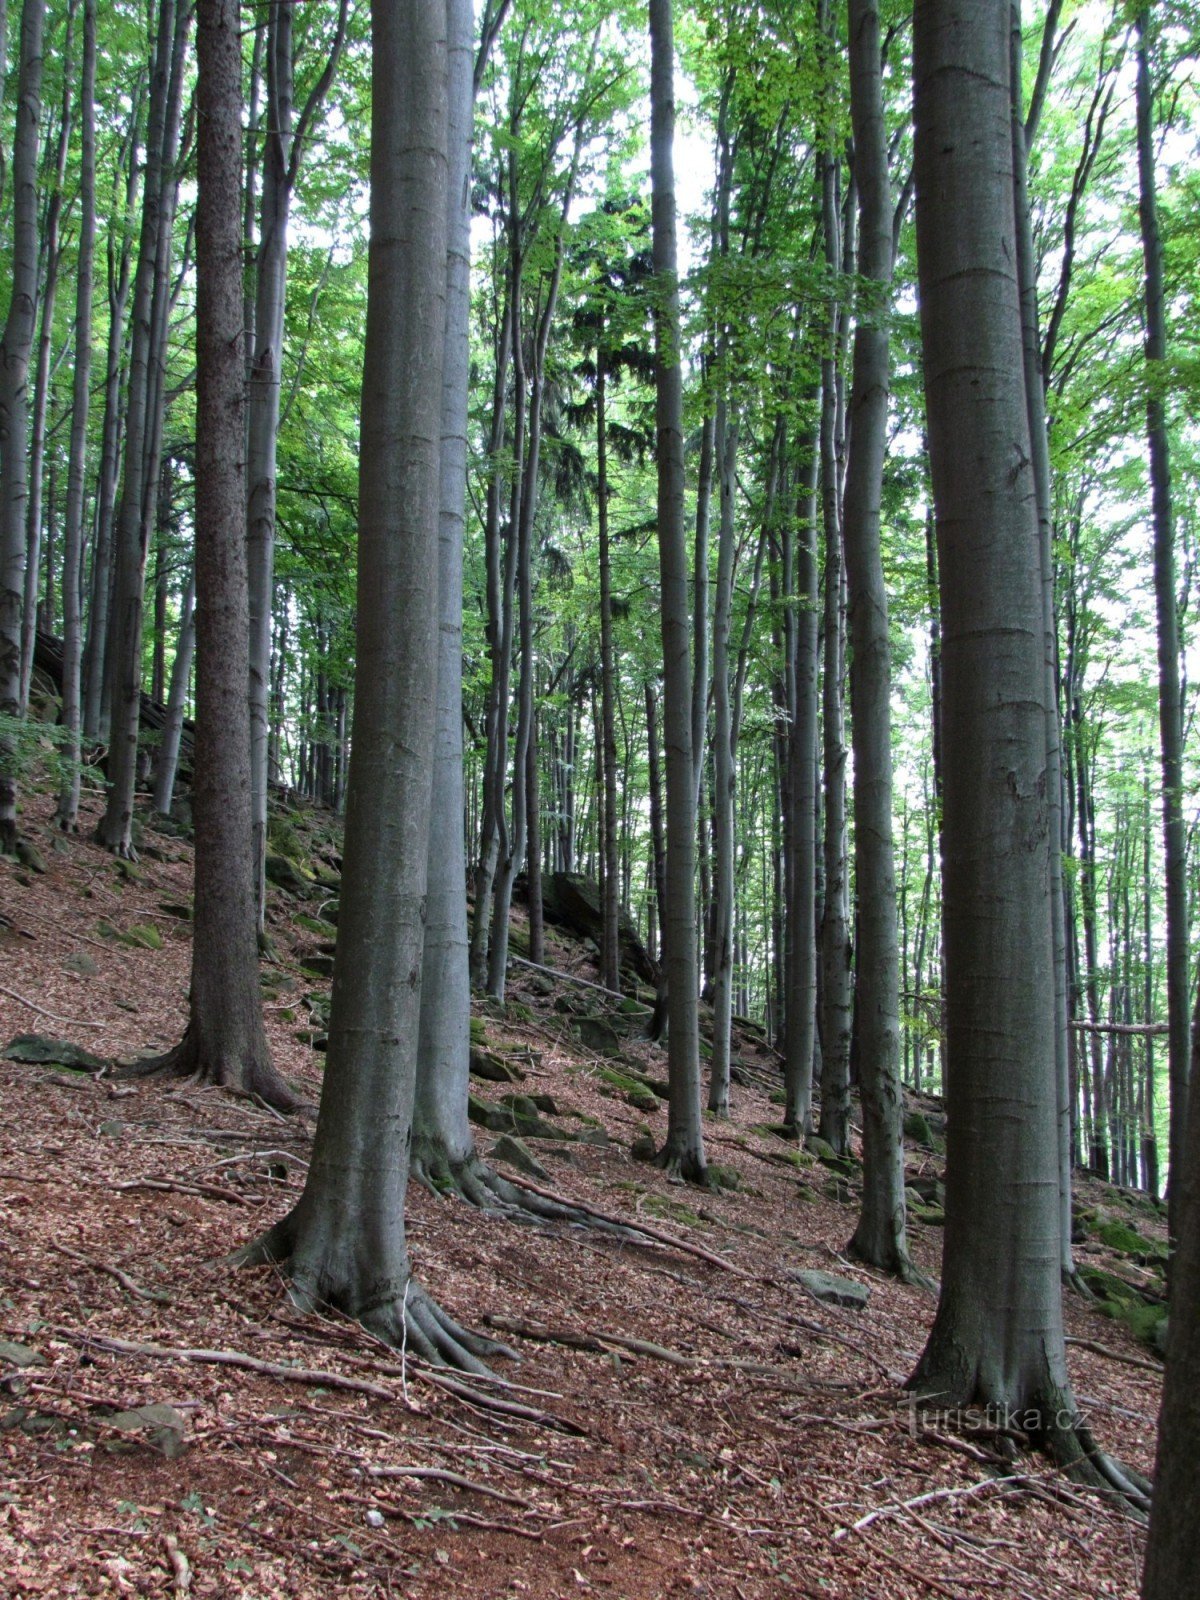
[224, 1042]
[68, 800]
[344, 1242]
[16, 342]
[880, 1235]
[683, 1150]
[1173, 1548]
[1170, 716]
[997, 1339]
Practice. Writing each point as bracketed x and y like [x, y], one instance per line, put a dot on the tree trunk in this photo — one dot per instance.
[281, 162]
[42, 377]
[684, 1148]
[723, 771]
[344, 1243]
[143, 424]
[1170, 721]
[801, 886]
[15, 345]
[880, 1235]
[224, 1043]
[1173, 1547]
[610, 960]
[72, 573]
[95, 657]
[997, 1339]
[167, 765]
[836, 1000]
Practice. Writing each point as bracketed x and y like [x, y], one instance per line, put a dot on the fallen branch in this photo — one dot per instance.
[1116, 1355]
[600, 1341]
[456, 1479]
[228, 1358]
[181, 1567]
[931, 1497]
[122, 1278]
[568, 977]
[71, 1022]
[207, 1190]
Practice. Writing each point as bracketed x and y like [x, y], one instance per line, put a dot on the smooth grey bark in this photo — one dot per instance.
[67, 815]
[224, 1042]
[683, 1150]
[48, 295]
[880, 1235]
[836, 995]
[803, 780]
[143, 424]
[95, 655]
[516, 836]
[16, 343]
[166, 766]
[700, 585]
[610, 962]
[1170, 719]
[284, 146]
[344, 1242]
[723, 769]
[997, 1339]
[1173, 1546]
[1040, 453]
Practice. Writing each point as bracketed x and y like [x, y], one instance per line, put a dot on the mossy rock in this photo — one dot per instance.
[27, 854]
[39, 1050]
[283, 840]
[828, 1156]
[518, 1011]
[322, 929]
[286, 875]
[527, 1123]
[1147, 1323]
[478, 1030]
[528, 1104]
[644, 1147]
[176, 909]
[721, 1177]
[1106, 1286]
[1119, 1236]
[317, 966]
[493, 1068]
[931, 1216]
[661, 1205]
[143, 937]
[777, 1097]
[917, 1129]
[636, 1094]
[598, 1034]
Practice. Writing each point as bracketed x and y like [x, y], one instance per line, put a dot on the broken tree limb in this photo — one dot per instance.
[455, 1479]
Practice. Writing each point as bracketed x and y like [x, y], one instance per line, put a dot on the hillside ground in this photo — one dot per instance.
[686, 1419]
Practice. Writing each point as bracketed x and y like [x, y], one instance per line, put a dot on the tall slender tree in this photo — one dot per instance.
[684, 1148]
[880, 1234]
[16, 343]
[344, 1242]
[997, 1339]
[225, 1042]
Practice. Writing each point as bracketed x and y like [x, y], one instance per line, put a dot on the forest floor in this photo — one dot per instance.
[686, 1418]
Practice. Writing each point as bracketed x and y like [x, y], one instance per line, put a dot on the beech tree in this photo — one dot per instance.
[684, 1148]
[224, 1042]
[997, 1339]
[344, 1242]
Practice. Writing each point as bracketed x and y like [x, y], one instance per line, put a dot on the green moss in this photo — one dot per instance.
[917, 1129]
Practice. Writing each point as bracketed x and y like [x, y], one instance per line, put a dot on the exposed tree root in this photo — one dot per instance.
[893, 1260]
[189, 1060]
[1050, 1422]
[479, 1185]
[407, 1318]
[682, 1166]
